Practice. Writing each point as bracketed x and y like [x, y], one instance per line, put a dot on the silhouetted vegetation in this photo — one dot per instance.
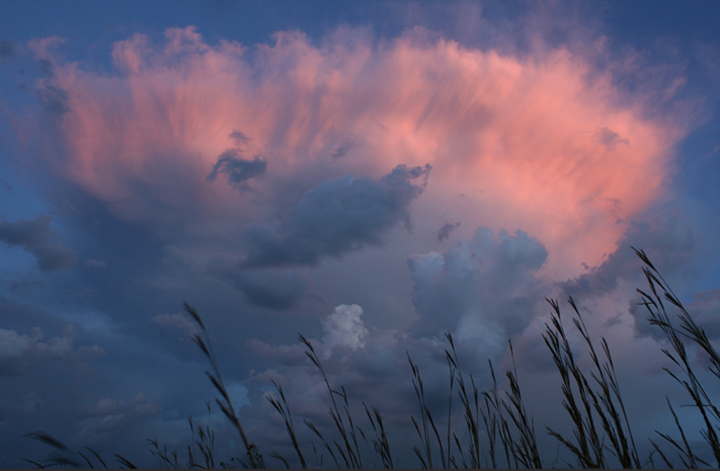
[500, 430]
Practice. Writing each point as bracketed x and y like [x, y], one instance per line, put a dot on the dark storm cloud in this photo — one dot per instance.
[36, 236]
[271, 288]
[335, 218]
[445, 231]
[53, 99]
[238, 171]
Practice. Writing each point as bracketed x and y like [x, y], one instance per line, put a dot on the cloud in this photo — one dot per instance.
[482, 289]
[53, 99]
[108, 415]
[107, 407]
[610, 139]
[342, 151]
[19, 351]
[344, 327]
[323, 146]
[37, 237]
[239, 137]
[178, 320]
[705, 310]
[91, 262]
[278, 289]
[238, 171]
[335, 218]
[668, 240]
[542, 142]
[445, 231]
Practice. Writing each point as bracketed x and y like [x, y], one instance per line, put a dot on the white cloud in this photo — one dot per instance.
[344, 327]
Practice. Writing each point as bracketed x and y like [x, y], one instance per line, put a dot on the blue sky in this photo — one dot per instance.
[371, 175]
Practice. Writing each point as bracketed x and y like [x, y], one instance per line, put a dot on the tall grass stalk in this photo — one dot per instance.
[381, 442]
[425, 455]
[253, 456]
[284, 410]
[350, 455]
[606, 403]
[688, 329]
[498, 426]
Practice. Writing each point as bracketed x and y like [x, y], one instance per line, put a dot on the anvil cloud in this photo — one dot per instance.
[545, 144]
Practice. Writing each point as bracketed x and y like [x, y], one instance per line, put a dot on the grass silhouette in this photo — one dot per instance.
[601, 433]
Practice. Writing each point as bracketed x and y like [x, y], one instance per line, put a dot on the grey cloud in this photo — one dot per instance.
[239, 137]
[109, 415]
[335, 218]
[271, 288]
[53, 99]
[19, 351]
[342, 151]
[610, 138]
[285, 355]
[179, 320]
[669, 243]
[704, 309]
[91, 262]
[36, 236]
[376, 373]
[484, 288]
[138, 405]
[445, 231]
[667, 240]
[238, 171]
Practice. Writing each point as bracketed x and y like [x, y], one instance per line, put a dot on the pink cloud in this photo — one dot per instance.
[544, 144]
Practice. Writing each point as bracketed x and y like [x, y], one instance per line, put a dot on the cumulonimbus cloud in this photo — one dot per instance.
[545, 143]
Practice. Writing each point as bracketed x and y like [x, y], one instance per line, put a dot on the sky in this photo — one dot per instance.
[371, 175]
